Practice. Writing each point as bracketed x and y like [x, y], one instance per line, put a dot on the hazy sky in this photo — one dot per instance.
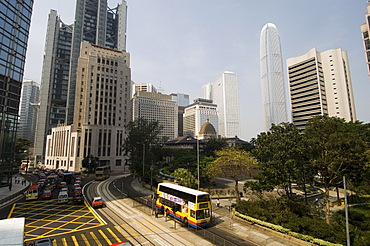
[182, 45]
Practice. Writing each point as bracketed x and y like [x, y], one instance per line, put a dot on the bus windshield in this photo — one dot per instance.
[202, 214]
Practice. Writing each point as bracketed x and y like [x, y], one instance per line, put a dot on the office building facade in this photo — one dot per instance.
[95, 23]
[157, 107]
[225, 96]
[27, 110]
[320, 83]
[102, 109]
[15, 19]
[196, 114]
[274, 96]
[54, 80]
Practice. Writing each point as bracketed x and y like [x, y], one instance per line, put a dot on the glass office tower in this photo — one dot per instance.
[15, 19]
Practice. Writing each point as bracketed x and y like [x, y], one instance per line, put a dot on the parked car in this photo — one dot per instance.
[97, 202]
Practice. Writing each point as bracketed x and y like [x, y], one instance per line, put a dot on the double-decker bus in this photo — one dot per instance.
[192, 207]
[102, 173]
[33, 192]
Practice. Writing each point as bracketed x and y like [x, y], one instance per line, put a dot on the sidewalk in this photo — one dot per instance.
[17, 190]
[243, 229]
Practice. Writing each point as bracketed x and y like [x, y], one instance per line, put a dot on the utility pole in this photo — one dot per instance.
[346, 211]
[143, 159]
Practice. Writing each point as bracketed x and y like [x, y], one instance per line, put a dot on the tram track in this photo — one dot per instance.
[136, 228]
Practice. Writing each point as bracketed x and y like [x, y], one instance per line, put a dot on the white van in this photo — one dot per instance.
[63, 197]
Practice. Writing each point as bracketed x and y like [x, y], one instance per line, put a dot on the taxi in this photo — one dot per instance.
[46, 195]
[97, 202]
[62, 184]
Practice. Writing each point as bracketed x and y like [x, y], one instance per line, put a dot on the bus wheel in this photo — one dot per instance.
[186, 221]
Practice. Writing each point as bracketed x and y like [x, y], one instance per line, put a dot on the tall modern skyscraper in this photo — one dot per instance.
[27, 111]
[54, 80]
[320, 83]
[95, 23]
[272, 79]
[15, 19]
[225, 96]
[365, 29]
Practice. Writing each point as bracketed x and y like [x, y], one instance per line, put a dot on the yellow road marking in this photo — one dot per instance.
[150, 225]
[85, 240]
[144, 226]
[129, 231]
[95, 239]
[119, 230]
[97, 217]
[11, 211]
[105, 237]
[64, 240]
[74, 239]
[114, 235]
[55, 242]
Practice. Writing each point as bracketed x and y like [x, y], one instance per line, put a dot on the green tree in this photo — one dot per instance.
[22, 146]
[335, 149]
[232, 162]
[185, 178]
[143, 146]
[282, 159]
[90, 162]
[213, 144]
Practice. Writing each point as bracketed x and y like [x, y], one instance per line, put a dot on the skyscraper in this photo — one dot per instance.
[15, 19]
[272, 79]
[320, 83]
[27, 111]
[365, 29]
[54, 80]
[102, 112]
[95, 23]
[225, 96]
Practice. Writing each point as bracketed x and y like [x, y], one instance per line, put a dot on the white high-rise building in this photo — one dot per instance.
[320, 83]
[157, 107]
[196, 114]
[225, 96]
[206, 91]
[272, 80]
